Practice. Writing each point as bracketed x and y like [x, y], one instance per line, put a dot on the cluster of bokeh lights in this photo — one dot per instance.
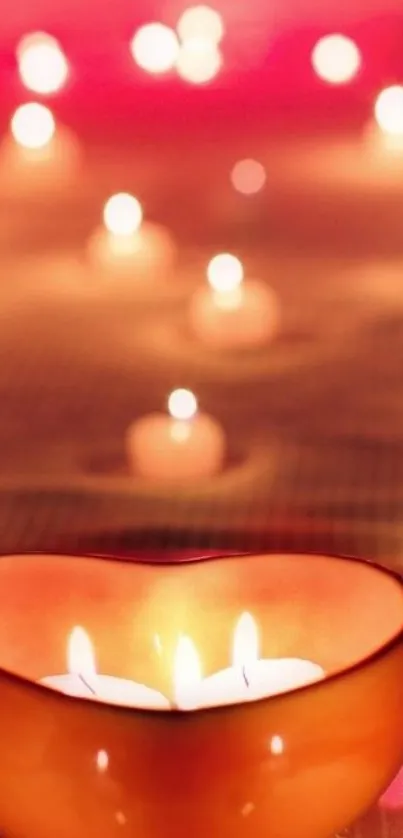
[193, 50]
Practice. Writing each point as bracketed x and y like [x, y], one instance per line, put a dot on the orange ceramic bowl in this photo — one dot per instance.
[302, 763]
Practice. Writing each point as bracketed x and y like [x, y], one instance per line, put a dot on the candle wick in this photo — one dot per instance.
[245, 678]
[86, 684]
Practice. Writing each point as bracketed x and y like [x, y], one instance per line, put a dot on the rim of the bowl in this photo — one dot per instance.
[182, 557]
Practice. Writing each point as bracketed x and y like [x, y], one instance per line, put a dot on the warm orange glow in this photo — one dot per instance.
[102, 761]
[389, 110]
[42, 64]
[80, 654]
[336, 59]
[123, 214]
[225, 273]
[246, 642]
[201, 22]
[154, 48]
[199, 61]
[182, 404]
[33, 126]
[187, 673]
[248, 176]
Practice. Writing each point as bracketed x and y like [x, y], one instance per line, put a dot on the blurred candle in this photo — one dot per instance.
[201, 22]
[181, 446]
[248, 679]
[128, 246]
[42, 64]
[336, 59]
[229, 312]
[155, 48]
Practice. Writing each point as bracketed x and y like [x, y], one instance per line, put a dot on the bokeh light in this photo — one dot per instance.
[33, 125]
[389, 110]
[122, 214]
[201, 22]
[248, 176]
[225, 272]
[199, 61]
[182, 404]
[155, 48]
[42, 64]
[336, 59]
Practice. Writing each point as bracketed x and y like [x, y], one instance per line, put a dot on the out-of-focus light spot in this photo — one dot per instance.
[102, 761]
[276, 745]
[155, 48]
[199, 61]
[201, 22]
[336, 59]
[389, 110]
[182, 404]
[121, 818]
[225, 273]
[122, 214]
[42, 64]
[33, 125]
[248, 176]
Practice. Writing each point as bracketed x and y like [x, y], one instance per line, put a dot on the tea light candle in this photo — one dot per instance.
[82, 679]
[128, 246]
[229, 312]
[180, 446]
[248, 679]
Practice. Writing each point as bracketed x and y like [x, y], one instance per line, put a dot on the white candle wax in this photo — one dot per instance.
[108, 688]
[83, 680]
[177, 447]
[128, 247]
[230, 312]
[248, 679]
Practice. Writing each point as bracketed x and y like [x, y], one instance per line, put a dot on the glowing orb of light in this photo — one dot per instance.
[122, 214]
[336, 59]
[225, 273]
[42, 64]
[155, 48]
[199, 61]
[201, 22]
[389, 110]
[248, 176]
[182, 404]
[33, 125]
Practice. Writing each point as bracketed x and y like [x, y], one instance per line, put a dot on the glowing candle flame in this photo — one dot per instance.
[80, 654]
[225, 273]
[42, 64]
[187, 674]
[246, 642]
[201, 22]
[389, 110]
[122, 214]
[182, 404]
[33, 125]
[336, 59]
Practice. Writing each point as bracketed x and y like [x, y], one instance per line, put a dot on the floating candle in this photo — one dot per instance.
[249, 678]
[180, 446]
[127, 246]
[230, 312]
[82, 679]
[33, 126]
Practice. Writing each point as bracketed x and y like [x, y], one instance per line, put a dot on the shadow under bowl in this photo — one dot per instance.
[305, 762]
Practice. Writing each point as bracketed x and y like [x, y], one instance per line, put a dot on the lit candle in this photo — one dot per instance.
[180, 446]
[248, 679]
[128, 247]
[229, 312]
[82, 679]
[37, 156]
